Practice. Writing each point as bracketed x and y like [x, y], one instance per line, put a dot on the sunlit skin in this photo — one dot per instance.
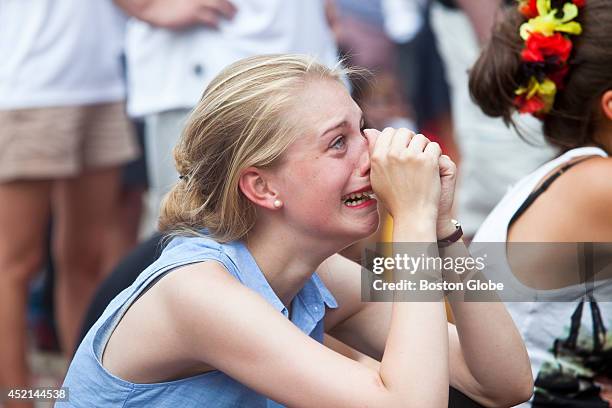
[301, 221]
[327, 161]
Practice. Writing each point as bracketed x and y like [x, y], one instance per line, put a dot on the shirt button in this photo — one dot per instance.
[198, 69]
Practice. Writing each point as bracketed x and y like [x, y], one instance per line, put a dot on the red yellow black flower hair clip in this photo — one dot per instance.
[546, 52]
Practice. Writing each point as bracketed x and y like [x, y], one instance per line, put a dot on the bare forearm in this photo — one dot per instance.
[486, 333]
[179, 15]
[488, 337]
[416, 351]
[482, 15]
[348, 351]
[135, 8]
[415, 361]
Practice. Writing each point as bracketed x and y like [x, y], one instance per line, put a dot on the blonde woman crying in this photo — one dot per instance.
[274, 165]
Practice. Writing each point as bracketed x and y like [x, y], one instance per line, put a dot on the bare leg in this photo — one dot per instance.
[24, 213]
[86, 215]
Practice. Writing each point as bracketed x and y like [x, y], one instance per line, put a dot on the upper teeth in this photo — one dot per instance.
[365, 194]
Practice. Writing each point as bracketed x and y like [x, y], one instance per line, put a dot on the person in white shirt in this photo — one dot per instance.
[63, 138]
[174, 48]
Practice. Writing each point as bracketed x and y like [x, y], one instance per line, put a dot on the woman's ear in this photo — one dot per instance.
[606, 104]
[254, 185]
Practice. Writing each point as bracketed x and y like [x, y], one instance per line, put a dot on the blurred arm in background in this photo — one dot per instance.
[482, 14]
[179, 14]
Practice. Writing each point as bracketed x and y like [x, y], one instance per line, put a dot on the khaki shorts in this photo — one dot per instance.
[60, 142]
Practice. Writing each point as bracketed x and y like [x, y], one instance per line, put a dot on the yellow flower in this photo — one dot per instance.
[546, 23]
[545, 90]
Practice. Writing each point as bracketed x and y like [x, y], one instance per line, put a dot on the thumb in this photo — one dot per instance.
[447, 166]
[371, 136]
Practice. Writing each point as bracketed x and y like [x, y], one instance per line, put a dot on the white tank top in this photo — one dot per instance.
[544, 324]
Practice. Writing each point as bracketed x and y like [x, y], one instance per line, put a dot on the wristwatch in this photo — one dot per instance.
[452, 238]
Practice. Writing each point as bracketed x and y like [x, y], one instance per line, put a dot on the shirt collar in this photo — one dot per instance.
[314, 295]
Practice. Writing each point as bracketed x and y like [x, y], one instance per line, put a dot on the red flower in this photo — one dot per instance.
[529, 9]
[531, 105]
[579, 3]
[538, 47]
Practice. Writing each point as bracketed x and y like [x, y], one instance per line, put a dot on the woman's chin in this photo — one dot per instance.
[368, 228]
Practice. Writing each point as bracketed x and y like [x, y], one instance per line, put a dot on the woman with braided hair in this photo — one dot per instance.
[553, 59]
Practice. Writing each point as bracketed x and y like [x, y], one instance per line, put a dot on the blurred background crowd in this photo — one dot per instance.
[93, 95]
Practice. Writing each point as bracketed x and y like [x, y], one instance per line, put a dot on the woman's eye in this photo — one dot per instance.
[339, 143]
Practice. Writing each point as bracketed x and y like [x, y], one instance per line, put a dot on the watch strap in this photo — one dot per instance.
[452, 238]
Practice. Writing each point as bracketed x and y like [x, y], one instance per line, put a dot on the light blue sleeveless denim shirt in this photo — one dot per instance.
[91, 385]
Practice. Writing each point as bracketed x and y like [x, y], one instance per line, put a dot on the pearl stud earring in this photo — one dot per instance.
[278, 203]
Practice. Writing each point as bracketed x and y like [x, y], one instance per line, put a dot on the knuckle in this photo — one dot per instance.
[388, 131]
[375, 158]
[412, 158]
[428, 160]
[420, 138]
[395, 157]
[404, 131]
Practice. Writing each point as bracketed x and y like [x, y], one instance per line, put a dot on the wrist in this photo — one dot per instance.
[454, 236]
[445, 227]
[414, 230]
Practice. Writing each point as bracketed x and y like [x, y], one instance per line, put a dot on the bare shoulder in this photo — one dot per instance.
[150, 343]
[587, 188]
[195, 277]
[591, 173]
[580, 201]
[199, 294]
[230, 327]
[576, 207]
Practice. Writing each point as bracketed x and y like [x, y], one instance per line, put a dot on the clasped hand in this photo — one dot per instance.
[412, 177]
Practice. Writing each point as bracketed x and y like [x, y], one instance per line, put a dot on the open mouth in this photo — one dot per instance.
[356, 199]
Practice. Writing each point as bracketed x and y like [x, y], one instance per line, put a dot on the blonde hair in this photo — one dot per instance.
[240, 121]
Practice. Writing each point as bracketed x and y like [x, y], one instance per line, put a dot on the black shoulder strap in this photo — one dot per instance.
[543, 187]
